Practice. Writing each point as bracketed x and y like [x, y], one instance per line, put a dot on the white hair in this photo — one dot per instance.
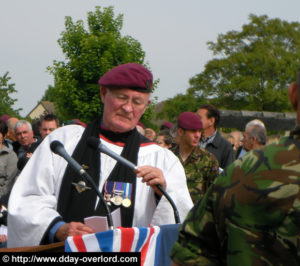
[255, 122]
[21, 123]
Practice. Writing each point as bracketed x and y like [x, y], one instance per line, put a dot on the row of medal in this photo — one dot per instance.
[117, 200]
[118, 193]
[121, 192]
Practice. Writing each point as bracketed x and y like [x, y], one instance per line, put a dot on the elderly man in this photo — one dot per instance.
[251, 213]
[10, 137]
[201, 167]
[11, 125]
[45, 205]
[25, 138]
[235, 138]
[255, 136]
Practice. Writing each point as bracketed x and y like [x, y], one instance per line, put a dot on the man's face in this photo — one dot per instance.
[47, 127]
[189, 137]
[248, 142]
[235, 139]
[150, 134]
[11, 134]
[206, 122]
[123, 108]
[24, 135]
[161, 142]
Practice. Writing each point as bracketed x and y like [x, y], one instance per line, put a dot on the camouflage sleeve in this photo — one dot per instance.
[213, 170]
[249, 215]
[197, 242]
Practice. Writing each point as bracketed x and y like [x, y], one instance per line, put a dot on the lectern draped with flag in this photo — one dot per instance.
[154, 243]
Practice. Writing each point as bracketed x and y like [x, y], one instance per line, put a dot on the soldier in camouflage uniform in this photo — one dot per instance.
[201, 167]
[251, 214]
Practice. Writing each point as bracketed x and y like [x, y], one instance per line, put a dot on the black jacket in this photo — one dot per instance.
[222, 149]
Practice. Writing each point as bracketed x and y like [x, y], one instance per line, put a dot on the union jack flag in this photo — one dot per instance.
[133, 239]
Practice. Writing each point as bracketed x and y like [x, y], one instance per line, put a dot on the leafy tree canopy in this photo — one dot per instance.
[6, 103]
[252, 68]
[89, 53]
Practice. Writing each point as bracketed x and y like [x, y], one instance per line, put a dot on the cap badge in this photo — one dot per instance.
[148, 83]
[84, 166]
[80, 186]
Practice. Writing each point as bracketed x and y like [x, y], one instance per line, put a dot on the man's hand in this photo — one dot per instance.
[72, 229]
[152, 176]
[28, 154]
[3, 238]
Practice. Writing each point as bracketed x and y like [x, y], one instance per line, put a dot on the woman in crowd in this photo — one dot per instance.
[8, 172]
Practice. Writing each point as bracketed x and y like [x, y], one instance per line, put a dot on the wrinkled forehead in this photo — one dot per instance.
[23, 128]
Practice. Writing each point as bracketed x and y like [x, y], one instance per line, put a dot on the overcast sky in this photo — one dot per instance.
[173, 34]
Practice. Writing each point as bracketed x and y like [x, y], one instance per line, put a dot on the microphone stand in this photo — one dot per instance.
[107, 210]
[58, 148]
[169, 199]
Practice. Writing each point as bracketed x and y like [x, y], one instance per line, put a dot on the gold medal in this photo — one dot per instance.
[126, 203]
[117, 200]
[108, 198]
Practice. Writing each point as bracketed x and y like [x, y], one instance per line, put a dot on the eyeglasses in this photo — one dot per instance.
[136, 102]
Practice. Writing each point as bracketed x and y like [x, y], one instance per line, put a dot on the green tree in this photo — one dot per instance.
[254, 66]
[251, 70]
[6, 103]
[89, 54]
[50, 94]
[175, 106]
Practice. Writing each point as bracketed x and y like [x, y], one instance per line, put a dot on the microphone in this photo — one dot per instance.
[95, 143]
[58, 148]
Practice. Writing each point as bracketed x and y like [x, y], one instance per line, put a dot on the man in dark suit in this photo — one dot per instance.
[211, 138]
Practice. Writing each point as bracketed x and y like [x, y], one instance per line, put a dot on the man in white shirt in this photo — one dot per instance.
[45, 205]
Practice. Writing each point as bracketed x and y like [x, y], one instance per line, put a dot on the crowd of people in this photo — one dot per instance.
[237, 197]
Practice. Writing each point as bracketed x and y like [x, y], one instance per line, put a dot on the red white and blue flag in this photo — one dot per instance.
[134, 239]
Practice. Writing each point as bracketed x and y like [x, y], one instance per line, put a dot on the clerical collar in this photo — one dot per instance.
[113, 136]
[203, 142]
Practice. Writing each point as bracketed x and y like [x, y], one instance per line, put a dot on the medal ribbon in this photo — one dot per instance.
[108, 188]
[127, 190]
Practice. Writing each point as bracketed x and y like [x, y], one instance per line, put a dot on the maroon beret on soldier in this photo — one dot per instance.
[189, 120]
[130, 75]
[169, 125]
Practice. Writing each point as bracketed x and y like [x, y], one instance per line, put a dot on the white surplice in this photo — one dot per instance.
[33, 200]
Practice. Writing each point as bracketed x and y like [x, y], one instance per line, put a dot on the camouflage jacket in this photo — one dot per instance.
[201, 169]
[250, 215]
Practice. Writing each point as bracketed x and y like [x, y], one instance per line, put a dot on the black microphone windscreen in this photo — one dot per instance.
[54, 145]
[93, 142]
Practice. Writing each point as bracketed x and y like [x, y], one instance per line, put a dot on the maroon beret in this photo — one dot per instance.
[130, 75]
[4, 118]
[189, 120]
[168, 125]
[141, 124]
